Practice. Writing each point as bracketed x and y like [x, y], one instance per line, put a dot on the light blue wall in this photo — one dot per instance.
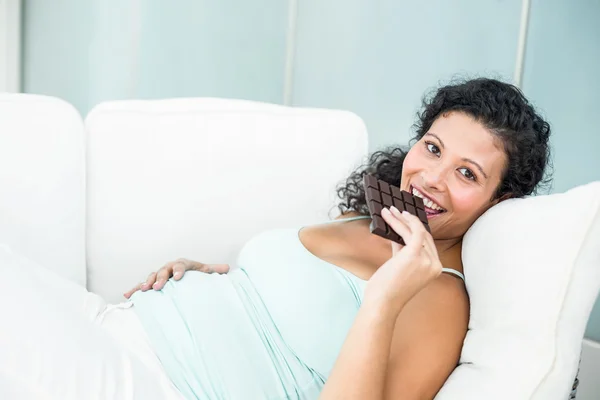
[57, 35]
[87, 51]
[227, 48]
[562, 77]
[112, 51]
[374, 58]
[377, 58]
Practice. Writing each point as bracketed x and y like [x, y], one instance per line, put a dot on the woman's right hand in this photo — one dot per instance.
[175, 269]
[411, 267]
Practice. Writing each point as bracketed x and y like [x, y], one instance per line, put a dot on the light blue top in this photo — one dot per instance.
[270, 329]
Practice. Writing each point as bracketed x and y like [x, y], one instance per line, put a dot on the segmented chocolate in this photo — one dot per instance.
[379, 195]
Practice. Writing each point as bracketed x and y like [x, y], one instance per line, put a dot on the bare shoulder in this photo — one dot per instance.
[451, 289]
[447, 300]
[428, 339]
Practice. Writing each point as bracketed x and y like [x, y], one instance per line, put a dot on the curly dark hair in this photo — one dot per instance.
[500, 107]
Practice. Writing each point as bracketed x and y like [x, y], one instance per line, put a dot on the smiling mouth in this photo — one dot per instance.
[431, 207]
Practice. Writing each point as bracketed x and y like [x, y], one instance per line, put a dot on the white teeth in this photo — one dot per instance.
[428, 203]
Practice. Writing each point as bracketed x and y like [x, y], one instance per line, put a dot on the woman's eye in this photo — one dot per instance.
[433, 149]
[468, 173]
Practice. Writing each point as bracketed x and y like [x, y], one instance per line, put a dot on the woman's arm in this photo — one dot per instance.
[406, 355]
[407, 336]
[360, 369]
[428, 340]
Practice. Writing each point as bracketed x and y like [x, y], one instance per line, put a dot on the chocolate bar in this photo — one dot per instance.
[380, 194]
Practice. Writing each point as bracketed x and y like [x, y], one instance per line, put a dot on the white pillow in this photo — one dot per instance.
[532, 270]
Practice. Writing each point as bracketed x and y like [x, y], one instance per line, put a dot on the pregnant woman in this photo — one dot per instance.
[328, 311]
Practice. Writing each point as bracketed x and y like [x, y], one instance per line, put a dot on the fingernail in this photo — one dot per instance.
[177, 274]
[394, 209]
[405, 212]
[385, 209]
[155, 285]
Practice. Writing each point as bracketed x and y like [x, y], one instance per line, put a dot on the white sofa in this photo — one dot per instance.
[144, 183]
[139, 183]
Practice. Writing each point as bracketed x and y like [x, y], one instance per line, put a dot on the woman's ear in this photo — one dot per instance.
[505, 196]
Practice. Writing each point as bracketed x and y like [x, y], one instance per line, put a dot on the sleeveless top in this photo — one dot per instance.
[271, 328]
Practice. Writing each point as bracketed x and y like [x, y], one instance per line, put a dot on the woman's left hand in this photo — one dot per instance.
[410, 268]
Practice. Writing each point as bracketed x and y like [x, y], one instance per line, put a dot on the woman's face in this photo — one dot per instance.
[456, 167]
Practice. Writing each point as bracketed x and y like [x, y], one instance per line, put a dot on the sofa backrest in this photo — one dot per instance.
[196, 178]
[42, 182]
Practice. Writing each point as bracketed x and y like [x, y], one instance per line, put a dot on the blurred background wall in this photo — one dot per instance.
[374, 57]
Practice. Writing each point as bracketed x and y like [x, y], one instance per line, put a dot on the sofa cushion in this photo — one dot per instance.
[42, 180]
[197, 178]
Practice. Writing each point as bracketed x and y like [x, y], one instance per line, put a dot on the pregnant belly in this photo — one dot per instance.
[215, 341]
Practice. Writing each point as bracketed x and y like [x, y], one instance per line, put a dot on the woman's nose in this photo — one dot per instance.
[434, 178]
